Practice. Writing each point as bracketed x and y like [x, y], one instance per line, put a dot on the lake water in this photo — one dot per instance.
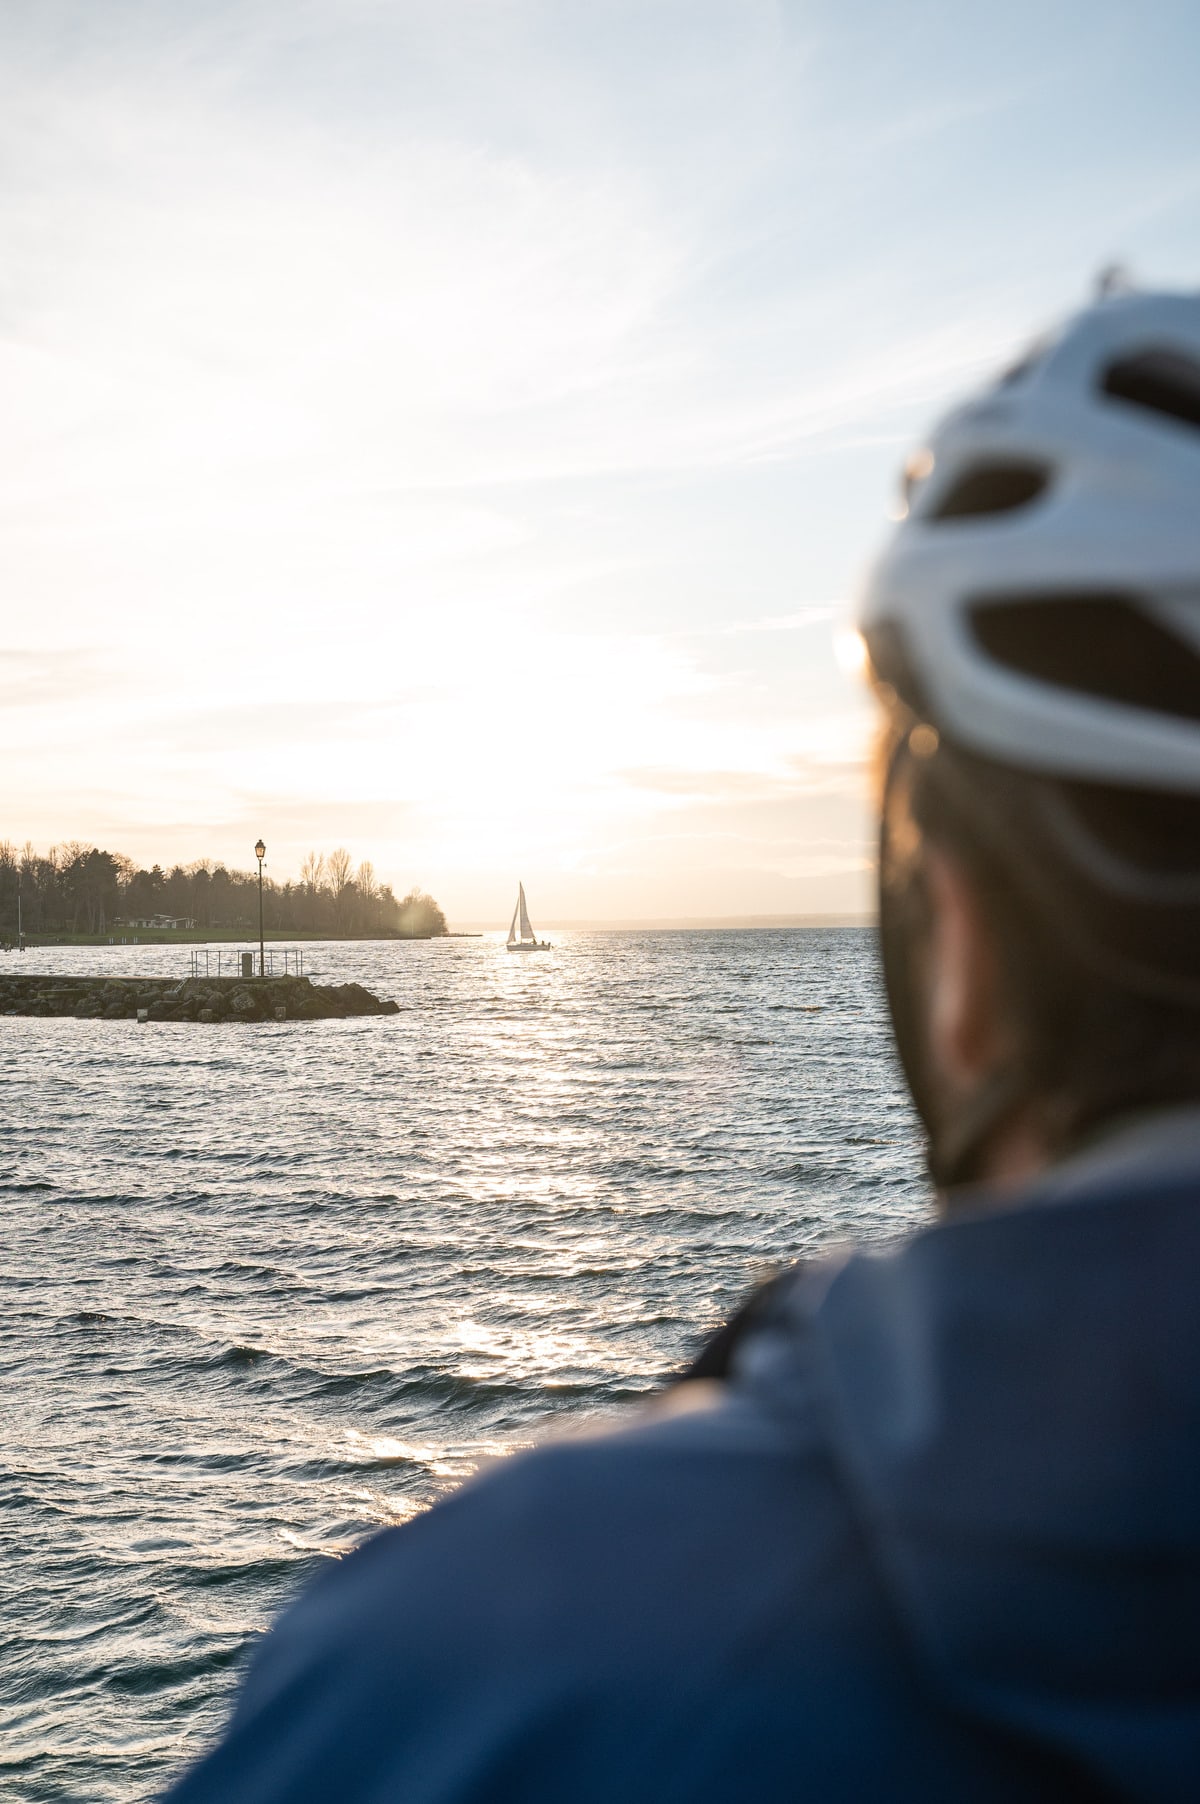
[269, 1288]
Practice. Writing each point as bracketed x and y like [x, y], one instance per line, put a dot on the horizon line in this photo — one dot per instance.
[681, 923]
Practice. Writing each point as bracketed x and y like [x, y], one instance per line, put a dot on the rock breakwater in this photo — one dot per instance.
[204, 999]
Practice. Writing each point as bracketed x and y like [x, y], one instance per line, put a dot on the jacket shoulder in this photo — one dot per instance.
[580, 1622]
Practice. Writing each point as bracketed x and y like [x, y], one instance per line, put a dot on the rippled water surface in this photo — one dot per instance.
[268, 1288]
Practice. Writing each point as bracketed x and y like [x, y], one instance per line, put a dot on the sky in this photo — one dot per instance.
[456, 429]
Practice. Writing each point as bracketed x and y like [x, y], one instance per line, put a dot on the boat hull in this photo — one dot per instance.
[540, 946]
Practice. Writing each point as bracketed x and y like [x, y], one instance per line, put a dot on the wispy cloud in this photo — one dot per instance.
[36, 679]
[465, 414]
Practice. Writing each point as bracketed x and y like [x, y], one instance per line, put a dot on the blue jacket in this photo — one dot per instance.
[937, 1537]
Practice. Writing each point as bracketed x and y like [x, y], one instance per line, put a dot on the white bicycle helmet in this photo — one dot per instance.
[1036, 614]
[1039, 604]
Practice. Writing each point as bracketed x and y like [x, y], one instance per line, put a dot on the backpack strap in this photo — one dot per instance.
[715, 1358]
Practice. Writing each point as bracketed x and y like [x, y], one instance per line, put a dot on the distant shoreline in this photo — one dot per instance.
[686, 923]
[222, 936]
[216, 936]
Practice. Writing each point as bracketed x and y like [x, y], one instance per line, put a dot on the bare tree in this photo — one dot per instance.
[312, 871]
[339, 866]
[9, 880]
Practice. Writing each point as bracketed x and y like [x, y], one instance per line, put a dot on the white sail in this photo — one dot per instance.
[521, 937]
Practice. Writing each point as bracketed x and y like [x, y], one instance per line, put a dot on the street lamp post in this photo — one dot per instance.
[260, 852]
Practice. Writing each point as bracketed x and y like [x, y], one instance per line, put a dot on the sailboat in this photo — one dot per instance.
[527, 940]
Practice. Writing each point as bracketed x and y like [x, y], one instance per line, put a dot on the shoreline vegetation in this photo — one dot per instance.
[204, 936]
[80, 894]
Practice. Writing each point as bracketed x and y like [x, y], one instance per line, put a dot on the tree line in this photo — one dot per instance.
[78, 888]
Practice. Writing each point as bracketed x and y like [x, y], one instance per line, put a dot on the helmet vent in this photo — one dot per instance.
[1106, 646]
[996, 488]
[1151, 831]
[1164, 382]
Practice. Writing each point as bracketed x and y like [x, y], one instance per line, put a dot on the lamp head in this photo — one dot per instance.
[260, 851]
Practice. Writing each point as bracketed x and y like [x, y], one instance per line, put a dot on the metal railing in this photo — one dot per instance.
[229, 961]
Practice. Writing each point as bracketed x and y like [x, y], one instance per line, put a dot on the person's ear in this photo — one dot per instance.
[966, 1036]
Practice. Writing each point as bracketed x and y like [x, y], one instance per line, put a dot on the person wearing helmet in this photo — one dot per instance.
[1034, 629]
[926, 1522]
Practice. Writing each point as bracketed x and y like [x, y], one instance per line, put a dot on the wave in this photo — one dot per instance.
[152, 1676]
[266, 1300]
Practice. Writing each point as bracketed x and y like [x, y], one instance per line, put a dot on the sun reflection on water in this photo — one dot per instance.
[281, 1290]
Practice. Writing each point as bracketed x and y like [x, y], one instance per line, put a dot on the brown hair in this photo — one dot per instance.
[1102, 989]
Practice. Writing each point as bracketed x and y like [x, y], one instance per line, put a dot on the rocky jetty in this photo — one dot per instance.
[188, 999]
